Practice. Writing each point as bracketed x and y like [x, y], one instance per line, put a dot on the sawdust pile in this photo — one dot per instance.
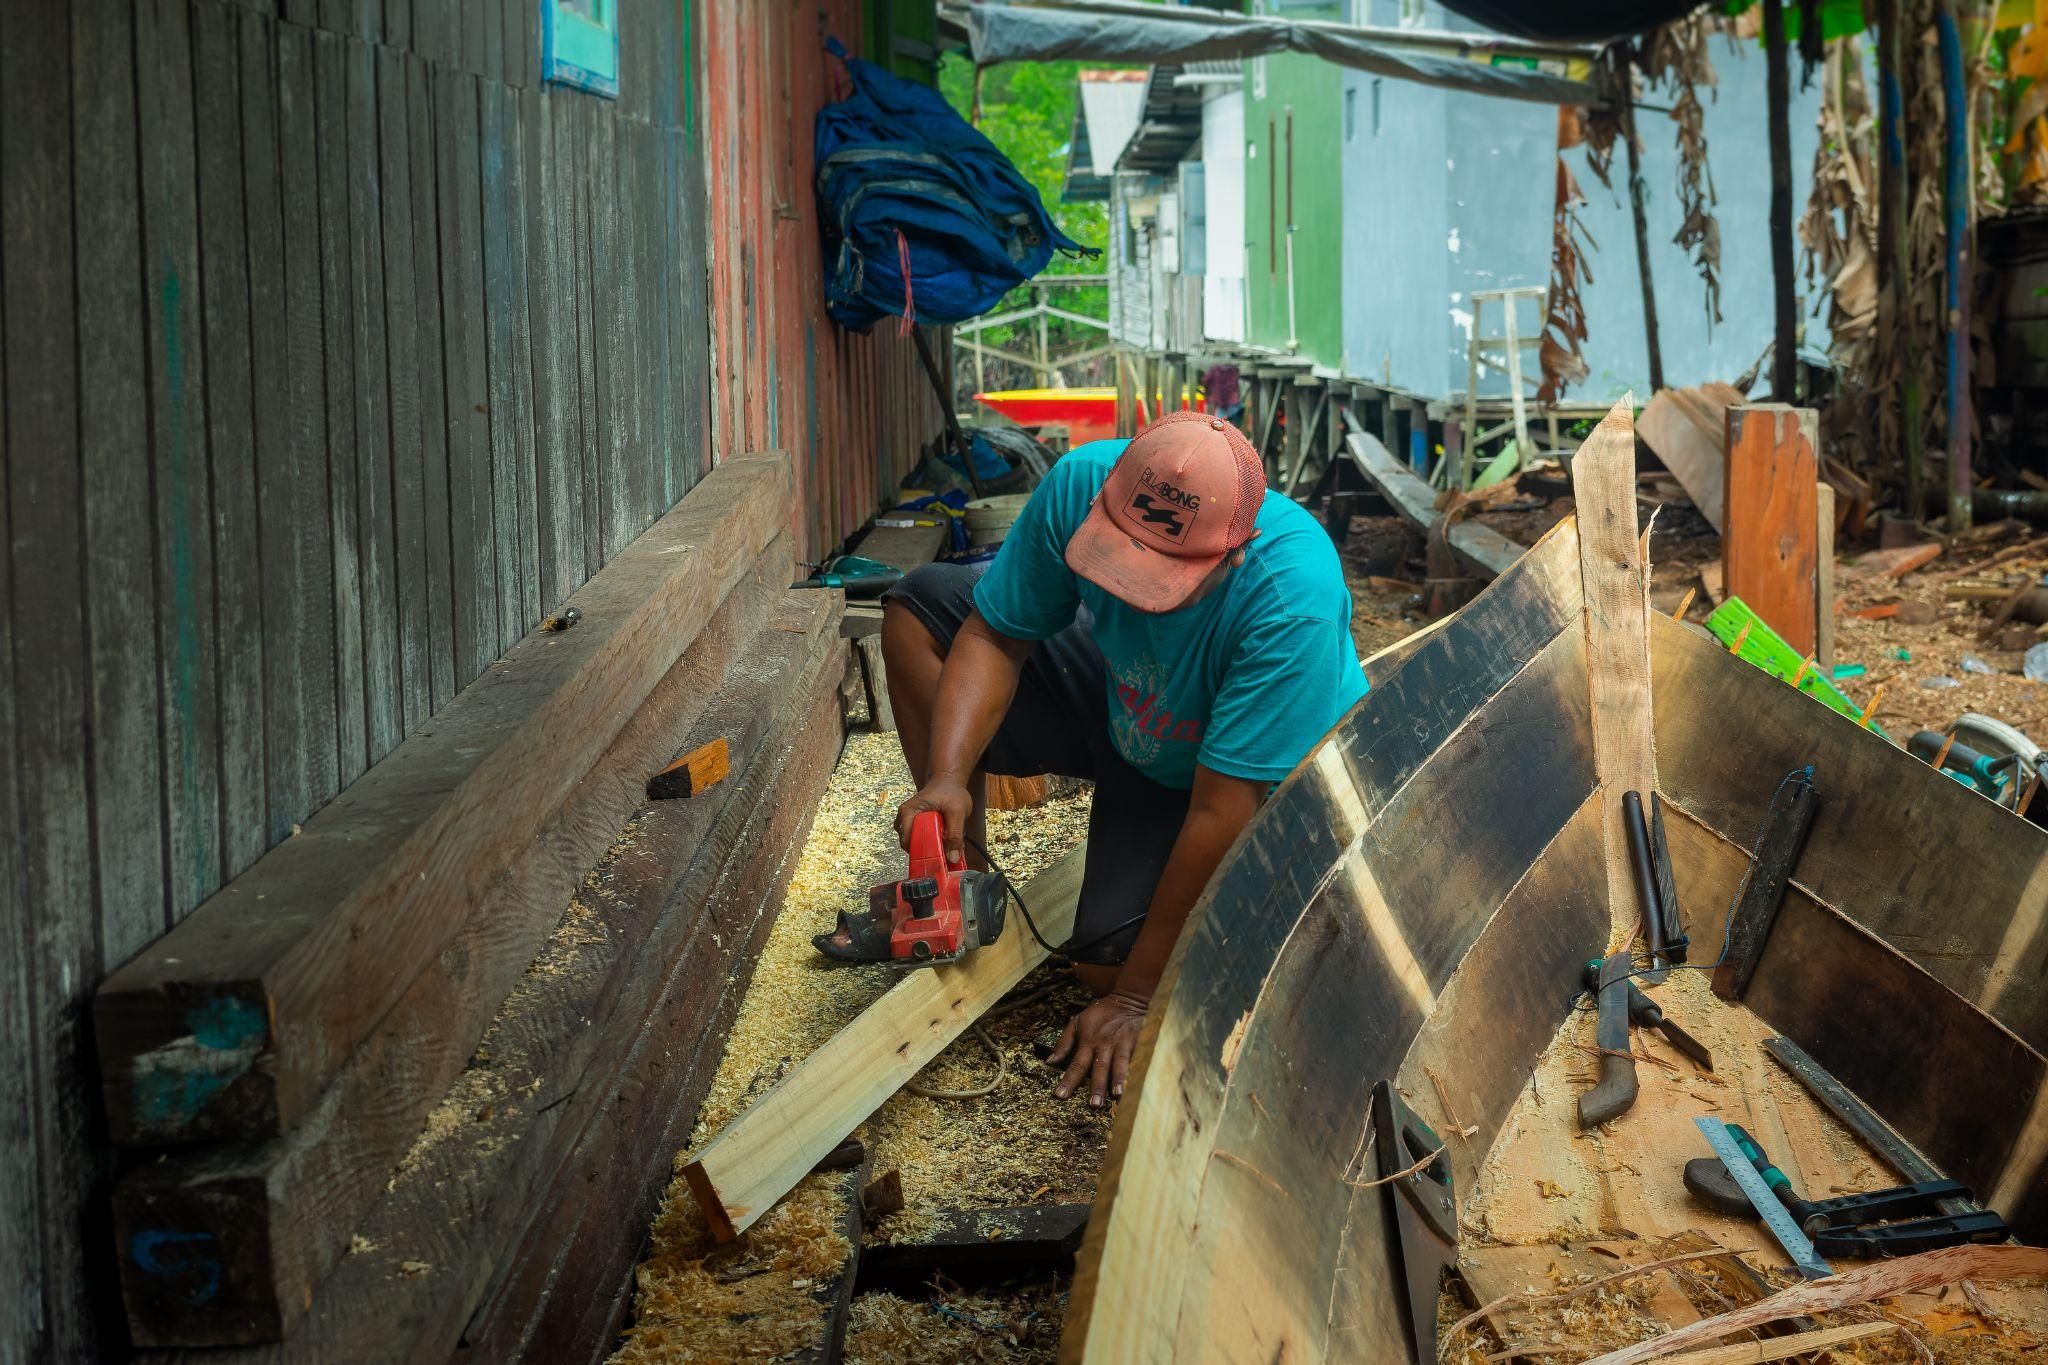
[750, 1300]
[1017, 1145]
[1018, 1327]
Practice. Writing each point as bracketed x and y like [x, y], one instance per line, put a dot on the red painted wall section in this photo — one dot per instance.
[851, 410]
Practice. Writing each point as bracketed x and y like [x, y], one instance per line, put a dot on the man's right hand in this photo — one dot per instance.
[950, 798]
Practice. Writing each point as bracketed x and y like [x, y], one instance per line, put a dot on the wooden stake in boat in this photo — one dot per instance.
[1870, 711]
[1685, 602]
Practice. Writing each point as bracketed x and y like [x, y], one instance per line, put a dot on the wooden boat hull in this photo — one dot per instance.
[1420, 896]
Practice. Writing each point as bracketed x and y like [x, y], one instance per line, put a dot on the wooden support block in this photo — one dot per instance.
[1769, 539]
[984, 1241]
[875, 679]
[532, 1214]
[883, 1196]
[761, 1155]
[704, 766]
[904, 547]
[861, 619]
[232, 1024]
[280, 1212]
[1015, 793]
[1789, 818]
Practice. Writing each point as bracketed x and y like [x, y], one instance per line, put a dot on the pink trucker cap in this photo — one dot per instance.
[1183, 495]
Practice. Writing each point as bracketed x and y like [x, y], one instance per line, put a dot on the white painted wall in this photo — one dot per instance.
[1223, 178]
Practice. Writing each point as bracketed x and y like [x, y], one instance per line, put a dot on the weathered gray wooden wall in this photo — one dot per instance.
[334, 351]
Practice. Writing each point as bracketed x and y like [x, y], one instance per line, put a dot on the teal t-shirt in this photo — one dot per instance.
[1244, 681]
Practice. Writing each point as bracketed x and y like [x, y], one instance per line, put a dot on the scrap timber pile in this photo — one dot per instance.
[409, 1083]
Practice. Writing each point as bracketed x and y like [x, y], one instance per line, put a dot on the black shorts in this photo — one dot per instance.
[1059, 723]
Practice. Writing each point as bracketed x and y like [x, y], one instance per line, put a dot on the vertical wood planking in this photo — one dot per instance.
[463, 336]
[337, 342]
[574, 150]
[377, 556]
[184, 530]
[231, 440]
[48, 632]
[402, 307]
[435, 424]
[494, 152]
[552, 318]
[517, 309]
[126, 766]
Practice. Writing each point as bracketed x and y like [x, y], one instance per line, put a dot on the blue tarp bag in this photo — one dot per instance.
[906, 183]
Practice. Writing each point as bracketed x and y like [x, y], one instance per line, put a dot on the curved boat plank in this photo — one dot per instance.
[1891, 838]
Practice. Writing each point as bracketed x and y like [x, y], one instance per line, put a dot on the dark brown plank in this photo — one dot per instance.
[233, 1023]
[574, 150]
[127, 767]
[1025, 1237]
[186, 631]
[402, 307]
[1869, 852]
[281, 1212]
[566, 1290]
[50, 676]
[614, 482]
[376, 553]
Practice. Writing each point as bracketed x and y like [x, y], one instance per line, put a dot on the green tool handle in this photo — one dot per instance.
[1780, 1183]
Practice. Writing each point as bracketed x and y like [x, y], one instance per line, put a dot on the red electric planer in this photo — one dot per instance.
[935, 914]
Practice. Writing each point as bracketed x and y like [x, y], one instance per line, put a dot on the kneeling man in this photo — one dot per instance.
[1153, 623]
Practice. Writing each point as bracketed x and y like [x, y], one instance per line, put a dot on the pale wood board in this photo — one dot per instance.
[1824, 575]
[1781, 1348]
[763, 1154]
[1480, 548]
[1616, 576]
[1687, 429]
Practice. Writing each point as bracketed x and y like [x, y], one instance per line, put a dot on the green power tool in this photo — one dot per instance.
[862, 579]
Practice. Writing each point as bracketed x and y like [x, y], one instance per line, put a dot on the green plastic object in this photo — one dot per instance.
[1764, 647]
[1849, 671]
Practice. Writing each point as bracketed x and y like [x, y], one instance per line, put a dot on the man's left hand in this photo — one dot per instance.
[1097, 1047]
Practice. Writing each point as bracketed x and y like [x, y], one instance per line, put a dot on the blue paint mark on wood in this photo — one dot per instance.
[174, 1083]
[173, 1256]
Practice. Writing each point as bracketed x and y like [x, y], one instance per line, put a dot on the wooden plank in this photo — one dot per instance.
[1688, 430]
[433, 291]
[280, 1213]
[596, 1066]
[1767, 544]
[186, 629]
[572, 147]
[465, 335]
[377, 549]
[292, 489]
[1782, 1348]
[230, 423]
[761, 1155]
[403, 304]
[503, 476]
[516, 307]
[1613, 559]
[1480, 548]
[50, 677]
[565, 1293]
[904, 547]
[1868, 851]
[344, 435]
[126, 765]
[233, 1022]
[615, 481]
[957, 1241]
[551, 302]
